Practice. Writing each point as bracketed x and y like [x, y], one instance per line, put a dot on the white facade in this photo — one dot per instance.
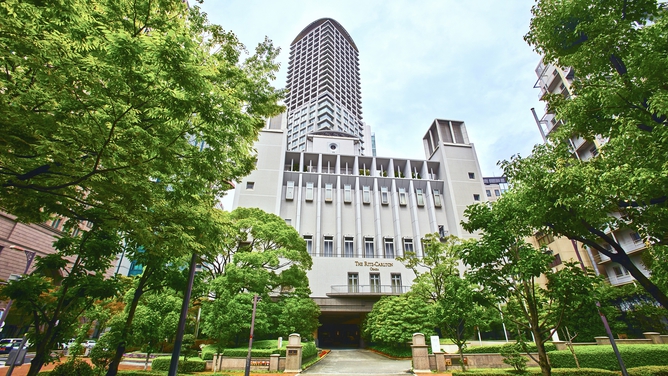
[357, 213]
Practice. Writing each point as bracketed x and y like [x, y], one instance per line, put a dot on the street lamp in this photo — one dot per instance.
[30, 256]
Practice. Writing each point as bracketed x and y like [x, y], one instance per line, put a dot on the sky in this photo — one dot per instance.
[419, 60]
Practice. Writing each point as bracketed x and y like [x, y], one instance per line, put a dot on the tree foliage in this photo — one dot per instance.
[617, 50]
[509, 269]
[257, 253]
[394, 319]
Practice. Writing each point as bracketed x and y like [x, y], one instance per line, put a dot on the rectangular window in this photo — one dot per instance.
[384, 196]
[471, 175]
[347, 193]
[437, 198]
[620, 271]
[309, 244]
[368, 248]
[396, 283]
[309, 192]
[348, 247]
[56, 223]
[402, 196]
[389, 248]
[476, 197]
[497, 192]
[366, 194]
[290, 190]
[544, 239]
[353, 282]
[374, 282]
[489, 193]
[250, 185]
[328, 249]
[634, 236]
[329, 196]
[408, 246]
[420, 197]
[593, 151]
[288, 221]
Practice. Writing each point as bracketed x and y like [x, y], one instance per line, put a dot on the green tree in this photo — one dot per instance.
[393, 320]
[509, 269]
[63, 286]
[617, 50]
[457, 302]
[256, 253]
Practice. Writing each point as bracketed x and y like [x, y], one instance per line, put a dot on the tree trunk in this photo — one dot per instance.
[148, 354]
[461, 358]
[120, 349]
[543, 362]
[36, 363]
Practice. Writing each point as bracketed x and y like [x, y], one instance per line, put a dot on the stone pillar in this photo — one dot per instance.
[420, 354]
[560, 345]
[440, 361]
[273, 362]
[654, 336]
[293, 355]
[602, 340]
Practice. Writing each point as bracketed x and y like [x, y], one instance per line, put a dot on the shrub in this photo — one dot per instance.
[139, 373]
[536, 372]
[603, 357]
[511, 356]
[393, 351]
[208, 352]
[308, 350]
[75, 367]
[188, 366]
[267, 344]
[242, 353]
[496, 349]
[648, 371]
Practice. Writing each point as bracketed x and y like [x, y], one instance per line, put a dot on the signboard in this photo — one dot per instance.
[435, 344]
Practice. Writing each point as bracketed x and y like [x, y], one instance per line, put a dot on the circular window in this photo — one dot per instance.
[333, 147]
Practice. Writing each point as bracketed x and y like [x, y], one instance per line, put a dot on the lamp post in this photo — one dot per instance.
[30, 256]
[176, 353]
[250, 340]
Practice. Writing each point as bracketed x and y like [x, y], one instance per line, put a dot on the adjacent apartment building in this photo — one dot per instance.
[356, 212]
[557, 80]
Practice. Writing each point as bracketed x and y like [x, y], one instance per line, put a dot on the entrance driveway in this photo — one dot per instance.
[358, 362]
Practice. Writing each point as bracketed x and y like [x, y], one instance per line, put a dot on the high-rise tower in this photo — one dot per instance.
[324, 85]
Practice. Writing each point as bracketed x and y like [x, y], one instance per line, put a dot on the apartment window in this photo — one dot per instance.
[328, 246]
[396, 283]
[384, 196]
[309, 192]
[309, 244]
[471, 175]
[437, 198]
[353, 282]
[389, 248]
[556, 262]
[368, 247]
[489, 193]
[476, 197]
[402, 196]
[290, 190]
[250, 185]
[288, 221]
[347, 193]
[544, 239]
[408, 246]
[76, 231]
[56, 222]
[348, 247]
[366, 194]
[420, 197]
[374, 282]
[329, 196]
[620, 271]
[636, 237]
[497, 193]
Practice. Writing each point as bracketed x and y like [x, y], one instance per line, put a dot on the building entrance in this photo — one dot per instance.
[340, 331]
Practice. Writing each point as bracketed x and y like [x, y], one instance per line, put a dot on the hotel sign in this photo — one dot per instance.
[374, 266]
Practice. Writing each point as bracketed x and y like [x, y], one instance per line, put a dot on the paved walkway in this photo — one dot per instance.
[358, 362]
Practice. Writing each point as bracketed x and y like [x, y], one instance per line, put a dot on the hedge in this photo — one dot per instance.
[536, 372]
[208, 351]
[393, 351]
[139, 373]
[262, 351]
[191, 365]
[495, 349]
[602, 356]
[648, 371]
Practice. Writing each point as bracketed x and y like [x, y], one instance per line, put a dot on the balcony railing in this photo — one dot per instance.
[368, 290]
